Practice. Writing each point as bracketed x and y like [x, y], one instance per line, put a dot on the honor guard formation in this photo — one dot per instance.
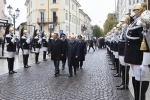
[128, 48]
[128, 45]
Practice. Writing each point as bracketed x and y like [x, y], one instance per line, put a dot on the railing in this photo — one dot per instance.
[46, 20]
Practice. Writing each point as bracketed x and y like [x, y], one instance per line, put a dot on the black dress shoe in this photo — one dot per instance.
[70, 75]
[122, 87]
[110, 63]
[38, 62]
[116, 75]
[63, 68]
[113, 68]
[80, 67]
[119, 85]
[44, 59]
[14, 72]
[74, 73]
[11, 72]
[26, 66]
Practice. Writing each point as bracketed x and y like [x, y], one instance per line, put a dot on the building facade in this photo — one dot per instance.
[3, 17]
[124, 6]
[61, 16]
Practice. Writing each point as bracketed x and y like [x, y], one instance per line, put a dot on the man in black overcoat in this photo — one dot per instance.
[72, 55]
[64, 46]
[55, 50]
[82, 51]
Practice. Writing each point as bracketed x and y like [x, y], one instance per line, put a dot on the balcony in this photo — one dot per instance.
[46, 20]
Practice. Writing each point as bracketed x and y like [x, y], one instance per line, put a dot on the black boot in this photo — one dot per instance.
[134, 87]
[117, 67]
[26, 61]
[12, 64]
[144, 88]
[44, 55]
[36, 58]
[9, 66]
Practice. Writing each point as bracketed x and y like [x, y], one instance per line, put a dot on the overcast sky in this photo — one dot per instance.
[96, 9]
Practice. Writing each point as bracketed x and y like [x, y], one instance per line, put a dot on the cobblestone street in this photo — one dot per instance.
[93, 82]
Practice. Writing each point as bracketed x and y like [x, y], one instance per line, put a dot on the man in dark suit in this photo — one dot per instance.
[72, 55]
[82, 51]
[55, 49]
[64, 46]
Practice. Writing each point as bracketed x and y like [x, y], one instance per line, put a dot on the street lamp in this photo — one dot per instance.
[15, 15]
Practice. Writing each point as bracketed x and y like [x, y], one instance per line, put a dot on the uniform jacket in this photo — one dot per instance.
[45, 42]
[36, 39]
[72, 52]
[24, 43]
[11, 46]
[133, 54]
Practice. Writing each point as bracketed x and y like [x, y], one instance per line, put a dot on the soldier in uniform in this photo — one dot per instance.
[115, 49]
[64, 46]
[25, 41]
[134, 53]
[11, 48]
[45, 41]
[37, 42]
[82, 51]
[121, 48]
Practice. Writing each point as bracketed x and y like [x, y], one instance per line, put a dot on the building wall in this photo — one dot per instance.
[125, 6]
[62, 11]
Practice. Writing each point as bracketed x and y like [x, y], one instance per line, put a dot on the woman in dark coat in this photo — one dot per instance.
[72, 55]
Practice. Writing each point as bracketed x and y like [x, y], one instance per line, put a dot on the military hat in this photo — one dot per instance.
[79, 36]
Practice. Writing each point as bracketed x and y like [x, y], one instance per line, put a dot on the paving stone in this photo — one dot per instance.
[93, 82]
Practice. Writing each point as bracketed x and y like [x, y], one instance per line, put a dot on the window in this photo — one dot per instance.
[137, 1]
[72, 7]
[66, 2]
[42, 16]
[27, 9]
[54, 17]
[42, 2]
[54, 1]
[31, 3]
[66, 16]
[129, 10]
[129, 2]
[133, 1]
[70, 17]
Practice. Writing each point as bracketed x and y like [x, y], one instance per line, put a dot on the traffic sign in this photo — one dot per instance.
[40, 32]
[61, 31]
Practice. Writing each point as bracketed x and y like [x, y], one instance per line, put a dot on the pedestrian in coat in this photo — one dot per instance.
[82, 51]
[55, 50]
[72, 55]
[91, 42]
[64, 46]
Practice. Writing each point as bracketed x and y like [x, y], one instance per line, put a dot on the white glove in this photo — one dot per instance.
[143, 67]
[28, 40]
[13, 39]
[39, 41]
[47, 39]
